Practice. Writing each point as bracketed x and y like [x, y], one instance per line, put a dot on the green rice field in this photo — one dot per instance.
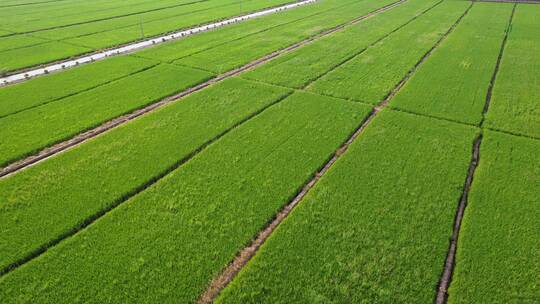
[338, 151]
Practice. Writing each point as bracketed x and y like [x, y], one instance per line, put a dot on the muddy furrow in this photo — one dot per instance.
[244, 256]
[70, 143]
[450, 262]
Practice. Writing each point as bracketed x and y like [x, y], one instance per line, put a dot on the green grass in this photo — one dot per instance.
[65, 13]
[32, 130]
[514, 105]
[80, 33]
[239, 52]
[299, 68]
[454, 82]
[166, 24]
[54, 87]
[194, 221]
[38, 54]
[43, 89]
[375, 228]
[497, 258]
[372, 75]
[14, 42]
[177, 49]
[62, 192]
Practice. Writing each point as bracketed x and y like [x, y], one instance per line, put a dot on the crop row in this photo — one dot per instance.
[235, 53]
[207, 210]
[17, 41]
[498, 243]
[97, 36]
[514, 106]
[28, 246]
[454, 82]
[66, 13]
[375, 228]
[31, 130]
[30, 94]
[18, 97]
[92, 177]
[305, 65]
[370, 76]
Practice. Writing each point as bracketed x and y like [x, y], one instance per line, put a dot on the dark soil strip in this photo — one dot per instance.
[450, 262]
[88, 221]
[245, 255]
[444, 283]
[497, 66]
[62, 146]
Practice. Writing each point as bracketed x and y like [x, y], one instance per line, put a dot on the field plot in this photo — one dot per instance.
[454, 82]
[514, 107]
[370, 76]
[207, 209]
[344, 151]
[53, 122]
[175, 50]
[375, 228]
[42, 36]
[499, 242]
[299, 68]
[240, 51]
[102, 173]
[56, 87]
[37, 128]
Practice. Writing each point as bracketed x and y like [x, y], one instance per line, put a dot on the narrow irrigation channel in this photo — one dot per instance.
[62, 146]
[244, 256]
[450, 262]
[132, 47]
[179, 163]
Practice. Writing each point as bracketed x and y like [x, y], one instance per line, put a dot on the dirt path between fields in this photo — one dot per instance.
[86, 135]
[245, 255]
[450, 262]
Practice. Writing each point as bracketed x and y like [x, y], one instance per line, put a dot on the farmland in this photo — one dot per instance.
[332, 151]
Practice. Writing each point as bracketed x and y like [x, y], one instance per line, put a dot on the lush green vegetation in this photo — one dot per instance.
[514, 106]
[181, 48]
[43, 89]
[299, 68]
[64, 32]
[375, 228]
[498, 246]
[29, 131]
[58, 86]
[454, 82]
[241, 51]
[45, 52]
[93, 177]
[371, 76]
[36, 128]
[158, 207]
[162, 23]
[193, 221]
